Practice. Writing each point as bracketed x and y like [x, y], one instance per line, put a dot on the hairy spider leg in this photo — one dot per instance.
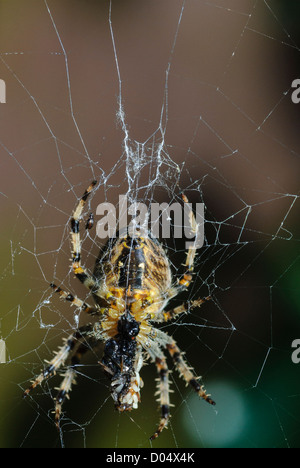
[186, 372]
[163, 392]
[181, 365]
[163, 383]
[80, 272]
[70, 377]
[185, 279]
[75, 300]
[64, 392]
[185, 307]
[60, 357]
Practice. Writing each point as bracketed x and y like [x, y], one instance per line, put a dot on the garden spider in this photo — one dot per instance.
[131, 286]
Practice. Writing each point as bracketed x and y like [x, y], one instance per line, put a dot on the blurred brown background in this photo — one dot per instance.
[231, 127]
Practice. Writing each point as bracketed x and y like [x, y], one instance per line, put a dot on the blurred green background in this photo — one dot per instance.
[232, 128]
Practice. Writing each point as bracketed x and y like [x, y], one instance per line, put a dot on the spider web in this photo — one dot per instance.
[151, 99]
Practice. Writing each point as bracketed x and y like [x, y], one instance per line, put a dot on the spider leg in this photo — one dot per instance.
[60, 357]
[75, 300]
[185, 307]
[163, 389]
[182, 367]
[163, 393]
[80, 272]
[63, 393]
[186, 372]
[70, 379]
[185, 279]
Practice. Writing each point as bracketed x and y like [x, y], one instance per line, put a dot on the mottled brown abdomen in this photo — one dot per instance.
[134, 262]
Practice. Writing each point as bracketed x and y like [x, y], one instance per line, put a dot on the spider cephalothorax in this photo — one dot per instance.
[131, 286]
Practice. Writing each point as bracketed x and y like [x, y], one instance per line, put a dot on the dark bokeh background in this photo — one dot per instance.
[231, 121]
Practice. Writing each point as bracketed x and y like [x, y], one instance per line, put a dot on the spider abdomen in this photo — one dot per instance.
[135, 263]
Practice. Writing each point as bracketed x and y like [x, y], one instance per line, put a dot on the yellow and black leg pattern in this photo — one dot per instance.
[186, 372]
[185, 279]
[74, 300]
[163, 383]
[163, 394]
[70, 379]
[63, 393]
[60, 357]
[185, 307]
[181, 365]
[80, 272]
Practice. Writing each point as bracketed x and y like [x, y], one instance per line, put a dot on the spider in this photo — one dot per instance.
[131, 285]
